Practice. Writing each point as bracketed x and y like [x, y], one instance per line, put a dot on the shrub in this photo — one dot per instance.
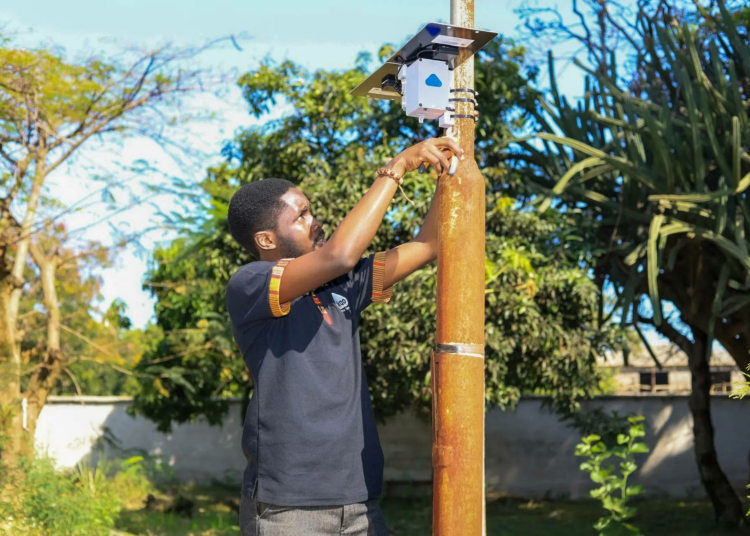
[613, 491]
[39, 500]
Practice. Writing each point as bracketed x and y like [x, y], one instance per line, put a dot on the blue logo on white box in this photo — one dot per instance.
[433, 81]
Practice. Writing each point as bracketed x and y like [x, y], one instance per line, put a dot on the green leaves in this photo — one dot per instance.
[572, 172]
[627, 468]
[614, 491]
[636, 431]
[660, 171]
[541, 330]
[653, 265]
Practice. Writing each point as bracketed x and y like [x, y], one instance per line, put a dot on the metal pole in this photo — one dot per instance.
[458, 359]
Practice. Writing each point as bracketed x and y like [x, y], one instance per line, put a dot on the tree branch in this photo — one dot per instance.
[89, 341]
[671, 333]
[75, 382]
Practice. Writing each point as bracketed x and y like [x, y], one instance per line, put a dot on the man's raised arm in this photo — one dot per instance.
[402, 261]
[352, 237]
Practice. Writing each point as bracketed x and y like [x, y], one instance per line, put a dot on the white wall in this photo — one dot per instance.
[528, 452]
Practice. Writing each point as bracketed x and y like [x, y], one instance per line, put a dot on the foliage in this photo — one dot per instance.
[190, 369]
[657, 164]
[609, 384]
[542, 329]
[613, 491]
[660, 172]
[41, 501]
[98, 344]
[607, 425]
[134, 479]
[741, 389]
[50, 108]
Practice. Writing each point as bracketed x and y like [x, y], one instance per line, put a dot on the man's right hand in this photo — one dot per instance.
[430, 150]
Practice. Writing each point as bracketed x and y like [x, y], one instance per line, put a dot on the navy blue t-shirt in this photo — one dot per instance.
[309, 436]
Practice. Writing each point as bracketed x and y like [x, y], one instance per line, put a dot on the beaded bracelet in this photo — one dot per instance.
[386, 172]
[390, 173]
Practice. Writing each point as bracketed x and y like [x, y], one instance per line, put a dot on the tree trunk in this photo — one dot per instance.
[36, 396]
[24, 240]
[45, 376]
[11, 418]
[727, 506]
[13, 430]
[726, 503]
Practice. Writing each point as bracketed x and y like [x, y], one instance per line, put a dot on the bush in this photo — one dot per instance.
[614, 491]
[39, 500]
[133, 482]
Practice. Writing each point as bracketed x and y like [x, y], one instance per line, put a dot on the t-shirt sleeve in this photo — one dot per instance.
[253, 293]
[368, 278]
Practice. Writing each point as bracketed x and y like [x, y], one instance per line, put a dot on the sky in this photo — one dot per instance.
[325, 34]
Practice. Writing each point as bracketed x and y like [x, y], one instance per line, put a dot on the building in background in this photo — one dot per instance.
[639, 373]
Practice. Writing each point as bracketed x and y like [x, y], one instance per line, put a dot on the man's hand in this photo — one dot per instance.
[430, 150]
[354, 234]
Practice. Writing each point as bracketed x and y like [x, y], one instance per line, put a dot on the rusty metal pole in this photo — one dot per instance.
[458, 359]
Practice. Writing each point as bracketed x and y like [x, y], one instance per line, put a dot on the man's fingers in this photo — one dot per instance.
[434, 160]
[449, 143]
[444, 160]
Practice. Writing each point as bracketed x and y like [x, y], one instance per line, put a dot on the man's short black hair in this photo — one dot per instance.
[256, 207]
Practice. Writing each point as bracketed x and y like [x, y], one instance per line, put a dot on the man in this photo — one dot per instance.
[315, 466]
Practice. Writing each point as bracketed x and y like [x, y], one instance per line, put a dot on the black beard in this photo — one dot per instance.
[288, 249]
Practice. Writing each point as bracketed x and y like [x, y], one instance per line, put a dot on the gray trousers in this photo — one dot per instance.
[358, 519]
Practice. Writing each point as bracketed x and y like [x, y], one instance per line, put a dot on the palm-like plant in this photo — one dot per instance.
[661, 172]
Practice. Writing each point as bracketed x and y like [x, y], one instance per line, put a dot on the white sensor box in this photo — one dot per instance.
[426, 88]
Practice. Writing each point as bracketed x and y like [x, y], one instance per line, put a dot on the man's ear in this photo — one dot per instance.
[265, 240]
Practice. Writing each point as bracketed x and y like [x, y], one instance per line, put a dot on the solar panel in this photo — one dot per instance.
[436, 41]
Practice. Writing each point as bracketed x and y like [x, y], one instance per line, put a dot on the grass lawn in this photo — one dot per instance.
[213, 515]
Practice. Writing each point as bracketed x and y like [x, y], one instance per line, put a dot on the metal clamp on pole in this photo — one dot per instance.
[473, 350]
[464, 116]
[464, 99]
[465, 90]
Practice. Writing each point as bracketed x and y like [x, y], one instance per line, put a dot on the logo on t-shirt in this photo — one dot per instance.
[341, 302]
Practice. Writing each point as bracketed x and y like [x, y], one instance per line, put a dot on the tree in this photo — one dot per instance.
[67, 344]
[660, 172]
[542, 330]
[60, 273]
[49, 109]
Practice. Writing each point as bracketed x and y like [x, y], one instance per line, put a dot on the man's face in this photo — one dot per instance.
[298, 232]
